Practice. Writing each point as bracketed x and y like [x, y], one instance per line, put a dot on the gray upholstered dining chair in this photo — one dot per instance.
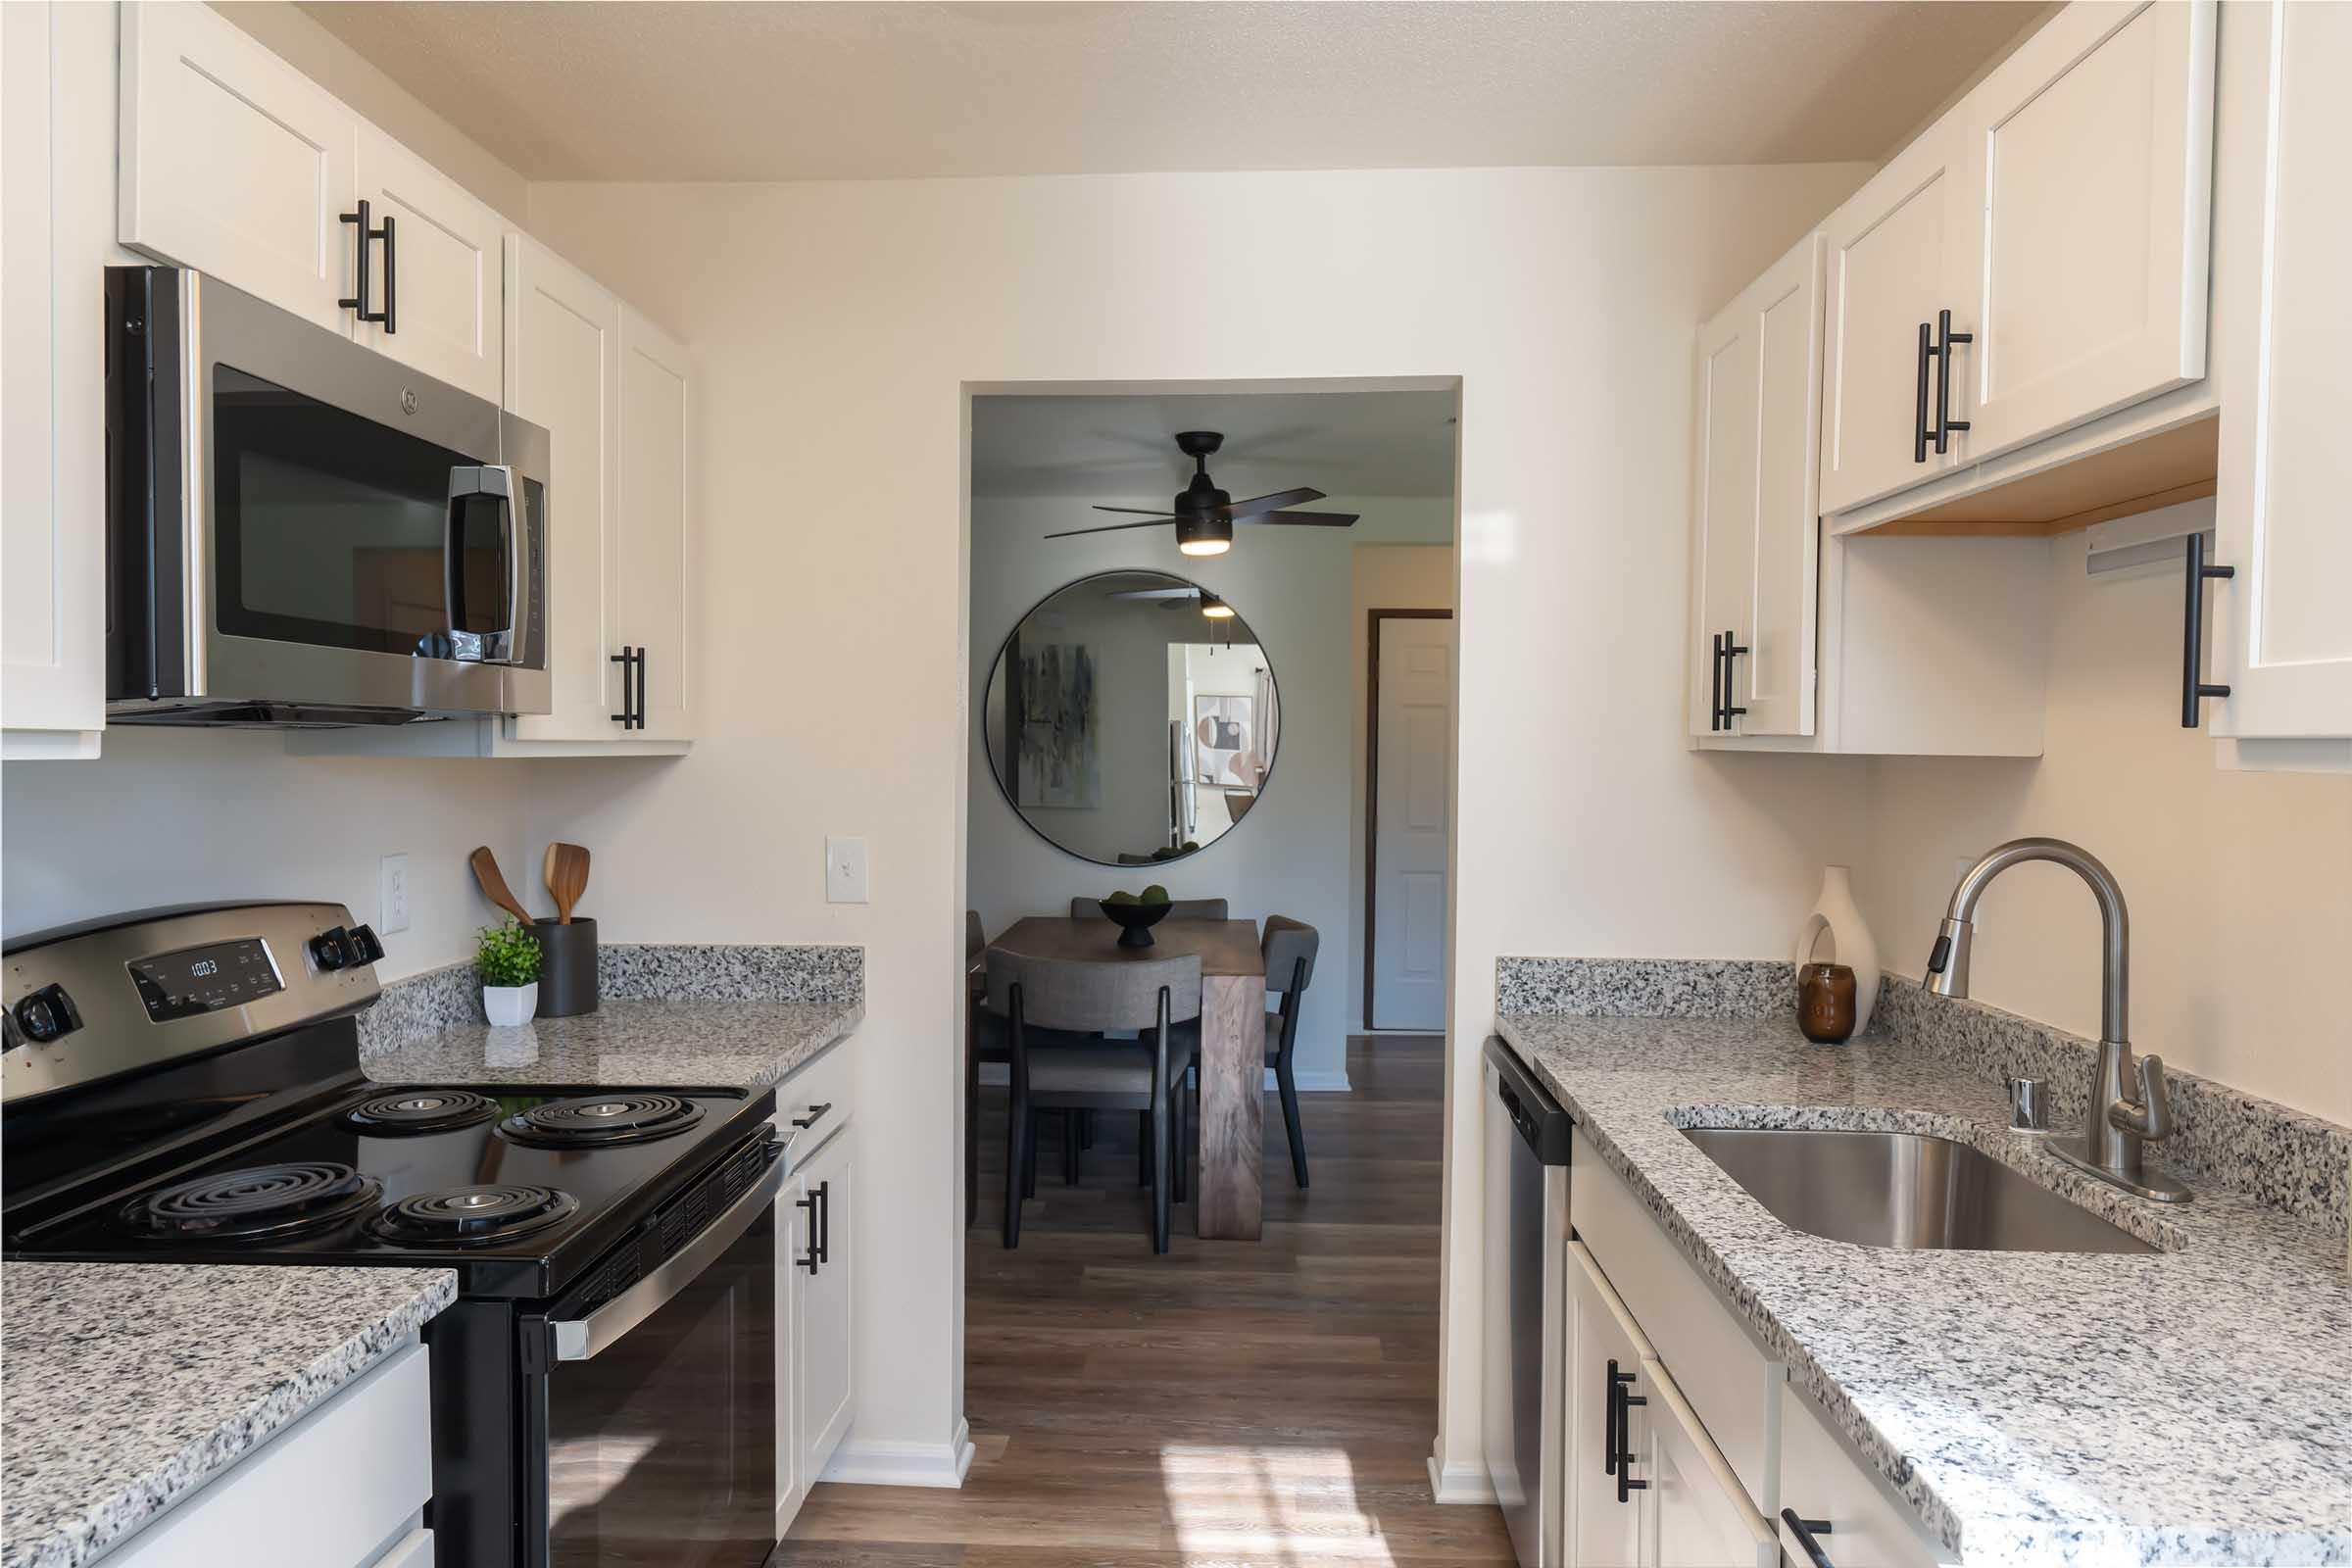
[1054, 1014]
[1179, 910]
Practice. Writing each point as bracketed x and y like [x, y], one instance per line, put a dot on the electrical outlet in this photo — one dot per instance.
[844, 870]
[392, 894]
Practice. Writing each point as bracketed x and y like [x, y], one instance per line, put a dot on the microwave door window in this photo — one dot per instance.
[331, 529]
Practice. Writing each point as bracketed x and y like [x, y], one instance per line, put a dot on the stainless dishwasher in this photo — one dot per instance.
[1525, 1381]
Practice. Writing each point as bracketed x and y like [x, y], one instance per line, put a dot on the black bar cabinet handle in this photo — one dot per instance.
[817, 1252]
[632, 690]
[358, 300]
[815, 1114]
[1715, 686]
[1945, 424]
[1919, 414]
[1804, 1530]
[641, 688]
[2193, 684]
[391, 288]
[1608, 1423]
[1733, 648]
[1624, 1402]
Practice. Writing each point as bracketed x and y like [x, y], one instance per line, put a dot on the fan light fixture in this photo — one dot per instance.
[1216, 609]
[1204, 535]
[1205, 514]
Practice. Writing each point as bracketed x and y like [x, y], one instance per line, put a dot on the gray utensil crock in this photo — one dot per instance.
[566, 967]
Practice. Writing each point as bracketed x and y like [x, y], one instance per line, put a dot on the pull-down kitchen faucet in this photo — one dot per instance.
[2115, 1126]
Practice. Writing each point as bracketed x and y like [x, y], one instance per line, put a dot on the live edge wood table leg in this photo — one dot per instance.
[1233, 1076]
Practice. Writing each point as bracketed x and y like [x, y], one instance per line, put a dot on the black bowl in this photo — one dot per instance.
[1135, 921]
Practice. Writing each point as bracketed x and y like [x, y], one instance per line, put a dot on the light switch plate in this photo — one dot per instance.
[844, 870]
[392, 894]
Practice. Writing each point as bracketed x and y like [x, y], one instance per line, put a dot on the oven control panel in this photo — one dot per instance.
[204, 979]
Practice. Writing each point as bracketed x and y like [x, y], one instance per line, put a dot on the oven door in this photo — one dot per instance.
[658, 1415]
[338, 532]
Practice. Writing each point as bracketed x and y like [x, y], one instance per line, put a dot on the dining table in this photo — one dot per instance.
[1227, 1196]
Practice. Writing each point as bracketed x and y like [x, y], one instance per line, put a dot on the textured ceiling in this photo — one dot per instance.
[741, 91]
[1122, 450]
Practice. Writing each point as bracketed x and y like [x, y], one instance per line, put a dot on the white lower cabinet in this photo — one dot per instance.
[345, 1487]
[815, 1296]
[1823, 1485]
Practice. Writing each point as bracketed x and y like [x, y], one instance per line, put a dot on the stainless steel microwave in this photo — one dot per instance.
[301, 531]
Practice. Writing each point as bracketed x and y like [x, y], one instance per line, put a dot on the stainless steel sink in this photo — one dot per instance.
[1904, 1190]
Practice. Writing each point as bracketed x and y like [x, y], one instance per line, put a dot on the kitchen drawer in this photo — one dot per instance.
[412, 1551]
[1731, 1382]
[326, 1492]
[817, 1093]
[1820, 1480]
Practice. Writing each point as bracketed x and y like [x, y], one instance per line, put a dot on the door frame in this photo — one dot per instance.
[1373, 620]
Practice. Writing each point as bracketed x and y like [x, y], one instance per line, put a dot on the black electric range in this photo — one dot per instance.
[184, 1087]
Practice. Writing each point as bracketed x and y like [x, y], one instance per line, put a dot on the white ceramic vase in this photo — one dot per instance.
[1851, 941]
[508, 1005]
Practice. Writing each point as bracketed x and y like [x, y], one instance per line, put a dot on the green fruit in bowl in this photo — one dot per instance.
[1122, 898]
[1155, 894]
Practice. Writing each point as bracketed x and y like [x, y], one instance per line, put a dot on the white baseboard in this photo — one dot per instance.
[1460, 1482]
[901, 1464]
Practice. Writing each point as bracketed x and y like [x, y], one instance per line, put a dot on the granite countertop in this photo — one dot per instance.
[643, 1044]
[127, 1386]
[2192, 1405]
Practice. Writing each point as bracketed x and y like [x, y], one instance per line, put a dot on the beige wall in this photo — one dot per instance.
[1387, 577]
[836, 327]
[2239, 884]
[297, 39]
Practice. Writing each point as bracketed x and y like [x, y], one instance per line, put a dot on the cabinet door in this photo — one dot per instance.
[234, 162]
[1819, 1482]
[563, 372]
[825, 1195]
[653, 609]
[1604, 1532]
[1890, 267]
[438, 273]
[1757, 545]
[2092, 149]
[2283, 512]
[1706, 1518]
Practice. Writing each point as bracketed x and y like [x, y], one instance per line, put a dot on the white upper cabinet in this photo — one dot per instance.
[435, 270]
[1897, 255]
[2283, 625]
[234, 162]
[563, 372]
[653, 614]
[2036, 258]
[2092, 150]
[1756, 534]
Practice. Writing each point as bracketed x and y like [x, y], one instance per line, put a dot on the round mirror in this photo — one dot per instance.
[1131, 717]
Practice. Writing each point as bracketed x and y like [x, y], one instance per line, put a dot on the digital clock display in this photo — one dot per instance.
[205, 979]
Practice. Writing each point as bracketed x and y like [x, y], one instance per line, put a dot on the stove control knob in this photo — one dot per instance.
[331, 948]
[366, 946]
[47, 1015]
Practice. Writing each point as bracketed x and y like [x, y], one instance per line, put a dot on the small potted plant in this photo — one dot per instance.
[508, 958]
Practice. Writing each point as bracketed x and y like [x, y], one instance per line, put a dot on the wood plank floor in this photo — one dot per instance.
[1232, 1404]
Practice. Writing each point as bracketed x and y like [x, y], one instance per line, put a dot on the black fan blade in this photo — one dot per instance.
[1140, 511]
[1156, 593]
[1112, 528]
[1318, 519]
[1238, 509]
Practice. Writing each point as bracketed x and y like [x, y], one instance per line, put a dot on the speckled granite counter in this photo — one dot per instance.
[2193, 1405]
[128, 1385]
[673, 1045]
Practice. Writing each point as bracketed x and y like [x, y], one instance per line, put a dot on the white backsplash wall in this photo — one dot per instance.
[182, 815]
[2239, 884]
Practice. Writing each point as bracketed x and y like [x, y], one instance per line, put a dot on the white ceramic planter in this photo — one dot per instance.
[508, 1006]
[1851, 940]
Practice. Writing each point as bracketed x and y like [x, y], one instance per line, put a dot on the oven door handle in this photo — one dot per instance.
[583, 1338]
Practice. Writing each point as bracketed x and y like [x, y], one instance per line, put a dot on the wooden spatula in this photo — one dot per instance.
[494, 885]
[566, 873]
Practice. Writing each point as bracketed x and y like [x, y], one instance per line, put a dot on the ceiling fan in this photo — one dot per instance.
[1211, 606]
[1205, 514]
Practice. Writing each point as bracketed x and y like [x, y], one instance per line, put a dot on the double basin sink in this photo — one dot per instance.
[1903, 1189]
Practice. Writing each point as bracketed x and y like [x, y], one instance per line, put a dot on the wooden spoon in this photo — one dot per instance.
[566, 873]
[494, 885]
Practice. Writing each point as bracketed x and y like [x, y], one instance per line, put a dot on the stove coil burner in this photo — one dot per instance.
[597, 1122]
[421, 1110]
[264, 1200]
[464, 1216]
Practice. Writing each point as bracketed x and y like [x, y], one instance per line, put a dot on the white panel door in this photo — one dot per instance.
[1757, 533]
[651, 607]
[2283, 512]
[817, 1228]
[438, 273]
[1412, 798]
[1896, 255]
[563, 372]
[2093, 148]
[234, 162]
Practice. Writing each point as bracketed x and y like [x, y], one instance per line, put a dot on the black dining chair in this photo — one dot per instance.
[1178, 909]
[1056, 1013]
[980, 1045]
[1290, 947]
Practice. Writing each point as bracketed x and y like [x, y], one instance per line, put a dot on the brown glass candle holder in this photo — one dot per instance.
[1824, 1003]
